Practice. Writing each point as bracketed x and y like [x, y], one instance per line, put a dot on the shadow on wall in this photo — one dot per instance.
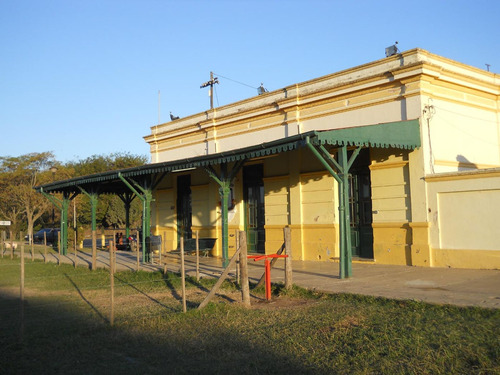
[465, 164]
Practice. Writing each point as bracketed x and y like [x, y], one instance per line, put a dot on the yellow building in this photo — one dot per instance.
[430, 201]
[396, 161]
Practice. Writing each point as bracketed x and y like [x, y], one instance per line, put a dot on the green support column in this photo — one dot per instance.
[146, 232]
[342, 177]
[224, 181]
[346, 227]
[147, 198]
[64, 224]
[127, 220]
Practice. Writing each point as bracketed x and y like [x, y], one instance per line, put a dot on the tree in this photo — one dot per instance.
[19, 201]
[9, 210]
[18, 176]
[110, 209]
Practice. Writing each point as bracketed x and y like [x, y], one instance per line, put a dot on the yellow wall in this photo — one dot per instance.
[463, 215]
[391, 206]
[163, 217]
[277, 211]
[454, 226]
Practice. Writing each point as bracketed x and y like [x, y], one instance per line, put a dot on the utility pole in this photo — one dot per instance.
[211, 83]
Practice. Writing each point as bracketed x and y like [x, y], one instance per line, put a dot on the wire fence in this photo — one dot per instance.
[72, 292]
[45, 292]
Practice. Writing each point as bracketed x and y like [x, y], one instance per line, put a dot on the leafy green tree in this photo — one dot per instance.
[9, 210]
[20, 203]
[102, 163]
[110, 208]
[18, 176]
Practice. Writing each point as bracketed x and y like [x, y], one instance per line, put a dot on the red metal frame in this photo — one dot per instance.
[267, 264]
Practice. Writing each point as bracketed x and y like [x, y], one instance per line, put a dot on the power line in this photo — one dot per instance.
[241, 83]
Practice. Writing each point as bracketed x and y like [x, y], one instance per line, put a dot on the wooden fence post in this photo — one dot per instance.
[197, 256]
[20, 239]
[137, 247]
[245, 288]
[288, 260]
[237, 246]
[32, 247]
[59, 247]
[94, 249]
[2, 238]
[76, 250]
[21, 332]
[112, 282]
[11, 246]
[164, 246]
[160, 250]
[183, 274]
[45, 247]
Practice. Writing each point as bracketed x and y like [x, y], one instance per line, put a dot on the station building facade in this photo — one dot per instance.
[432, 201]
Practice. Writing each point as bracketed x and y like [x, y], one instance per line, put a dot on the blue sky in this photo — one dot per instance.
[82, 77]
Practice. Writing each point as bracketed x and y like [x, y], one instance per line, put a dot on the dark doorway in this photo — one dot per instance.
[253, 195]
[184, 211]
[360, 204]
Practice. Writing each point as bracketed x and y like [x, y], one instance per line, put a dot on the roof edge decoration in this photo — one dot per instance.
[401, 134]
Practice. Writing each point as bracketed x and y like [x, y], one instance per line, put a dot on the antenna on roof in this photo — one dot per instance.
[392, 50]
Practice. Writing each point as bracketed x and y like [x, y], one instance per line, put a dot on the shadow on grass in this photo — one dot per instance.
[86, 300]
[62, 340]
[172, 279]
[152, 299]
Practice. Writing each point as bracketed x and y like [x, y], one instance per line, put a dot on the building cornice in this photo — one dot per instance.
[387, 74]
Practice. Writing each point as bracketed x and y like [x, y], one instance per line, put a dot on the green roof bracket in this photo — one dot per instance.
[353, 158]
[213, 174]
[127, 199]
[146, 198]
[343, 165]
[124, 180]
[323, 160]
[225, 181]
[324, 152]
[56, 202]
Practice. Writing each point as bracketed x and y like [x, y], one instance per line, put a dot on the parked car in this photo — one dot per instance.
[50, 233]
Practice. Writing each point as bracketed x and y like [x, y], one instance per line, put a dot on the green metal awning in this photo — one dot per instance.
[402, 134]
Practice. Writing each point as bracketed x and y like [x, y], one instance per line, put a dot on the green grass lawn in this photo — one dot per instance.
[66, 329]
